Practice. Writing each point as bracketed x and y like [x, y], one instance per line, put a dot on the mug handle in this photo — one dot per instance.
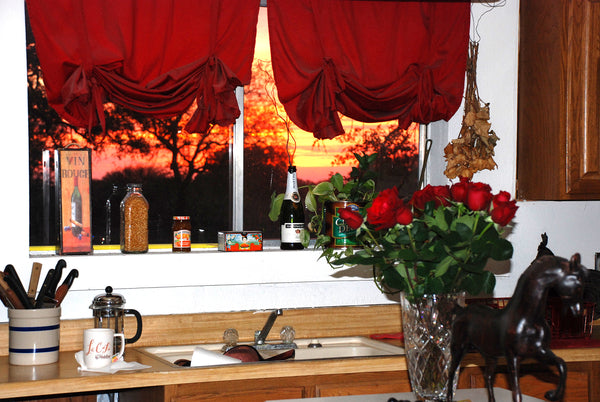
[122, 349]
[138, 319]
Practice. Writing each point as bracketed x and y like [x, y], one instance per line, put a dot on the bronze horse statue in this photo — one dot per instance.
[519, 330]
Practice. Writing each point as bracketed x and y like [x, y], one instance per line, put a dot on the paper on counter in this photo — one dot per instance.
[111, 368]
[203, 357]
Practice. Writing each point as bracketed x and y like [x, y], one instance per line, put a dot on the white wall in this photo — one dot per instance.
[162, 283]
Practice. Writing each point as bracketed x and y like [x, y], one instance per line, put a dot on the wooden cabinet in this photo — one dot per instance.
[290, 387]
[559, 92]
[582, 384]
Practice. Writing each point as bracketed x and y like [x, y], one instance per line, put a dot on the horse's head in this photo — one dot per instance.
[570, 287]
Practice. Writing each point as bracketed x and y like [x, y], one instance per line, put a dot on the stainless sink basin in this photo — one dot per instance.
[332, 348]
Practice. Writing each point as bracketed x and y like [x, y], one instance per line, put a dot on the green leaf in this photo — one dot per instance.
[437, 220]
[488, 282]
[323, 240]
[310, 201]
[443, 266]
[481, 246]
[401, 269]
[434, 285]
[463, 231]
[276, 201]
[393, 279]
[501, 250]
[305, 238]
[468, 220]
[323, 189]
[337, 181]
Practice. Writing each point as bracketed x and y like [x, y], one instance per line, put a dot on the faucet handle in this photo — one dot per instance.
[230, 337]
[287, 334]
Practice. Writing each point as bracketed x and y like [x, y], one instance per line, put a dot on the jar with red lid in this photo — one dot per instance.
[182, 234]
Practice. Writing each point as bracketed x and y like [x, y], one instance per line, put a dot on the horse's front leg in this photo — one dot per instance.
[457, 351]
[548, 357]
[513, 362]
[489, 374]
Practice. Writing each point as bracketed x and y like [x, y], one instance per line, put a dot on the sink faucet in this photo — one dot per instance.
[260, 337]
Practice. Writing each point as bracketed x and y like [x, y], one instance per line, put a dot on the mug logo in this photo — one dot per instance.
[101, 350]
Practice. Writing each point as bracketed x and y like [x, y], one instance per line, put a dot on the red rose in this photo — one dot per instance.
[479, 196]
[503, 213]
[438, 194]
[459, 190]
[501, 197]
[352, 218]
[420, 198]
[441, 195]
[404, 215]
[382, 212]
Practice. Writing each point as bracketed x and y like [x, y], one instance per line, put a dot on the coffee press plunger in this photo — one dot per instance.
[109, 313]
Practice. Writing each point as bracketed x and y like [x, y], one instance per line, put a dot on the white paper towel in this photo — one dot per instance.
[111, 368]
[203, 357]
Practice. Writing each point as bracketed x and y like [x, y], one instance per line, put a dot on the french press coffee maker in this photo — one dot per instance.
[109, 313]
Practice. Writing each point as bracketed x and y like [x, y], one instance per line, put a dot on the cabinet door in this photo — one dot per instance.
[380, 383]
[535, 382]
[258, 390]
[558, 121]
[239, 395]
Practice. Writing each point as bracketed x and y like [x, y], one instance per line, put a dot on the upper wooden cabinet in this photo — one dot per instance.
[559, 92]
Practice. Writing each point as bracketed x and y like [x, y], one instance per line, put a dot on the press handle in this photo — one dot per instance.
[138, 319]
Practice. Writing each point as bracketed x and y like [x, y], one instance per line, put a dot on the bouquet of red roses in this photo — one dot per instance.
[438, 242]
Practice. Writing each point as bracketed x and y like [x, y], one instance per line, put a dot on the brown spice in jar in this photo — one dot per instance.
[134, 222]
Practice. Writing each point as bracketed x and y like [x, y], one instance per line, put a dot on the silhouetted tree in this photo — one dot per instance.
[397, 162]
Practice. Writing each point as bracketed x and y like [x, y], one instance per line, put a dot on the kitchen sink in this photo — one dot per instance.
[331, 348]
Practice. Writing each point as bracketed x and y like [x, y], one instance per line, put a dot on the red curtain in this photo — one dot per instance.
[370, 60]
[152, 56]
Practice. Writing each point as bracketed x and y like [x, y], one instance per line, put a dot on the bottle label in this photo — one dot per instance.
[291, 188]
[182, 239]
[292, 232]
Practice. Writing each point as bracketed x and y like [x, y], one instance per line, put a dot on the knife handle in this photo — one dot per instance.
[52, 286]
[10, 295]
[36, 270]
[39, 303]
[12, 279]
[62, 290]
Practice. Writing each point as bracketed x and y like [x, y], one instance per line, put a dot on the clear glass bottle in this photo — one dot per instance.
[112, 219]
[134, 221]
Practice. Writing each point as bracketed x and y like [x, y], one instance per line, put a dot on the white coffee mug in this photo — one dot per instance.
[98, 347]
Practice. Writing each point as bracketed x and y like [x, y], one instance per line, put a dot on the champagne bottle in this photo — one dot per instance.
[291, 217]
[76, 209]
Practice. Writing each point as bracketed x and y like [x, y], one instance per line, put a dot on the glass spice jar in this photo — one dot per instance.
[134, 221]
[182, 234]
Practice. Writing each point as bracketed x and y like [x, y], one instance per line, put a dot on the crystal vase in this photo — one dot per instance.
[426, 323]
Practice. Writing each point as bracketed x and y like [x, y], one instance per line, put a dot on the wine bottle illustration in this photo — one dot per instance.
[76, 210]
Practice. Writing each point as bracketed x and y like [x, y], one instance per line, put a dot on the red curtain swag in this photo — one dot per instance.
[152, 56]
[370, 60]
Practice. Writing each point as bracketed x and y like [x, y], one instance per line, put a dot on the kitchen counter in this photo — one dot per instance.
[64, 378]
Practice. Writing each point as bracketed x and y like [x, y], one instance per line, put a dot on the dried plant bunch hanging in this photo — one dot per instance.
[473, 150]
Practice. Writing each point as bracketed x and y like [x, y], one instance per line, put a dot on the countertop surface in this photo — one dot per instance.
[64, 376]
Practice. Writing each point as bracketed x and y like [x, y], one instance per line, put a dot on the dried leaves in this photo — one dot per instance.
[473, 150]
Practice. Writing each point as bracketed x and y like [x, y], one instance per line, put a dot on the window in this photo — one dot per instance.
[199, 174]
